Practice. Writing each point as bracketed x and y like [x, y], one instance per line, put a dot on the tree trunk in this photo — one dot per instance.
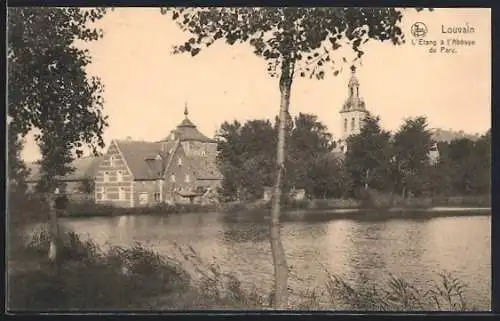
[367, 173]
[53, 227]
[278, 252]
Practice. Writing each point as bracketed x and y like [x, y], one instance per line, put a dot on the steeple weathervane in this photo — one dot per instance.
[185, 109]
[353, 83]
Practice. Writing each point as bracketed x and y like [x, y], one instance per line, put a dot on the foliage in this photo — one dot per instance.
[289, 35]
[88, 278]
[17, 170]
[470, 165]
[289, 39]
[49, 88]
[137, 277]
[309, 143]
[411, 147]
[368, 155]
[325, 177]
[247, 157]
[398, 295]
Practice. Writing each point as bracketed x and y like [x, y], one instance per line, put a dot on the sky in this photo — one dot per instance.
[146, 86]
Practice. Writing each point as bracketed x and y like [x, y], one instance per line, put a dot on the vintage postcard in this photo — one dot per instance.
[330, 158]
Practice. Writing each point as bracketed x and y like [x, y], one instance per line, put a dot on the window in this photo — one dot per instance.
[105, 194]
[143, 198]
[345, 124]
[179, 161]
[352, 123]
[106, 177]
[172, 178]
[121, 193]
[111, 161]
[203, 153]
[156, 197]
[187, 178]
[119, 176]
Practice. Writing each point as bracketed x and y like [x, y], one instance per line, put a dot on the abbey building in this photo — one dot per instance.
[352, 114]
[180, 168]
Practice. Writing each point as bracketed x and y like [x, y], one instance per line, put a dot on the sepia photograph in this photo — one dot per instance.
[248, 159]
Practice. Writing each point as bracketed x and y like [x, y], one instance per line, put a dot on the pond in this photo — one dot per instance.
[416, 249]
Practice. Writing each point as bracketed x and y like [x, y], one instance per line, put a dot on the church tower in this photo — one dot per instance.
[352, 113]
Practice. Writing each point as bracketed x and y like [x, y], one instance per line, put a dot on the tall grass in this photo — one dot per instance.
[399, 295]
[136, 277]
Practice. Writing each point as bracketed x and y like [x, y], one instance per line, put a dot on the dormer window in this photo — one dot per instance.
[179, 161]
[111, 161]
[172, 178]
[188, 179]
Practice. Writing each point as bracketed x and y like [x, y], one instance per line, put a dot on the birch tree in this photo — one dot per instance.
[50, 90]
[294, 42]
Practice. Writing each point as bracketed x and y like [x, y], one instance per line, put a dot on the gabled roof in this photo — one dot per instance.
[85, 167]
[136, 154]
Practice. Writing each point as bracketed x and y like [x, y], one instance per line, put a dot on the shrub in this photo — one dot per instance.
[136, 277]
[398, 295]
[93, 209]
[86, 278]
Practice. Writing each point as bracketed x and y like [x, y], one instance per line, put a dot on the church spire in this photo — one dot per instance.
[353, 83]
[186, 109]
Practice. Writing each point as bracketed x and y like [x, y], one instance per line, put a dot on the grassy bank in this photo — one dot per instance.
[136, 278]
[33, 207]
[369, 201]
[380, 204]
[81, 209]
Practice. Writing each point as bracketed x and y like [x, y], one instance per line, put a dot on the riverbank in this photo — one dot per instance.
[138, 278]
[380, 208]
[373, 206]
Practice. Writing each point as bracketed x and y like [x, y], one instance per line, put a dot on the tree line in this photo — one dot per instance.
[401, 163]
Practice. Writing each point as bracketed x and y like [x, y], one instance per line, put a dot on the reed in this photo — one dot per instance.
[86, 277]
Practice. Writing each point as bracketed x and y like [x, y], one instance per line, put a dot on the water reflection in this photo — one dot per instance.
[412, 249]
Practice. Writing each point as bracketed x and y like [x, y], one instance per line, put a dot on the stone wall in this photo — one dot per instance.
[113, 181]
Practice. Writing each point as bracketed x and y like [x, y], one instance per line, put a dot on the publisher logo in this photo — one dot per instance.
[419, 30]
